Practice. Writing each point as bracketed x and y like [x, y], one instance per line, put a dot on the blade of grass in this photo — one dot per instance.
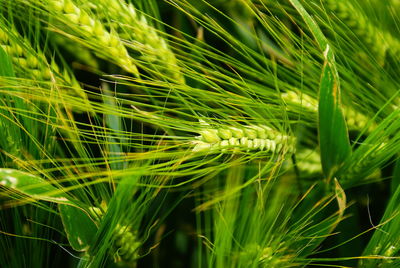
[78, 226]
[333, 134]
[33, 186]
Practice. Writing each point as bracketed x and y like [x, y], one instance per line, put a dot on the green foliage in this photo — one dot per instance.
[333, 137]
[32, 186]
[201, 133]
[78, 226]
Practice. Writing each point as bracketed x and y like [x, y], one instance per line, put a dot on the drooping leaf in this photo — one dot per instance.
[79, 227]
[31, 185]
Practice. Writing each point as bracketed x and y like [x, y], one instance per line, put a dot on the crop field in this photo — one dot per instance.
[199, 133]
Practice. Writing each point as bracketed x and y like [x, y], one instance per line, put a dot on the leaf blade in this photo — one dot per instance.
[78, 226]
[31, 185]
[333, 135]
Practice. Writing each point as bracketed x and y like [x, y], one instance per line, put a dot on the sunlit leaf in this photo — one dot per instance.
[31, 185]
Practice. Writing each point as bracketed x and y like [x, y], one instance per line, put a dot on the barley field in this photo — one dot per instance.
[199, 133]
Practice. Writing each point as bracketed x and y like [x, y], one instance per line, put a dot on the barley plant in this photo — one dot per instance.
[202, 133]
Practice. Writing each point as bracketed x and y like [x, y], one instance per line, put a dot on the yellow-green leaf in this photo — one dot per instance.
[32, 186]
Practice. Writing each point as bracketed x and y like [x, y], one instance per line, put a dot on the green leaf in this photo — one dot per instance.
[78, 226]
[312, 25]
[114, 124]
[31, 185]
[5, 64]
[333, 134]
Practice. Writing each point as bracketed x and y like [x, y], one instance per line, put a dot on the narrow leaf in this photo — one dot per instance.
[78, 226]
[333, 134]
[31, 185]
[312, 25]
